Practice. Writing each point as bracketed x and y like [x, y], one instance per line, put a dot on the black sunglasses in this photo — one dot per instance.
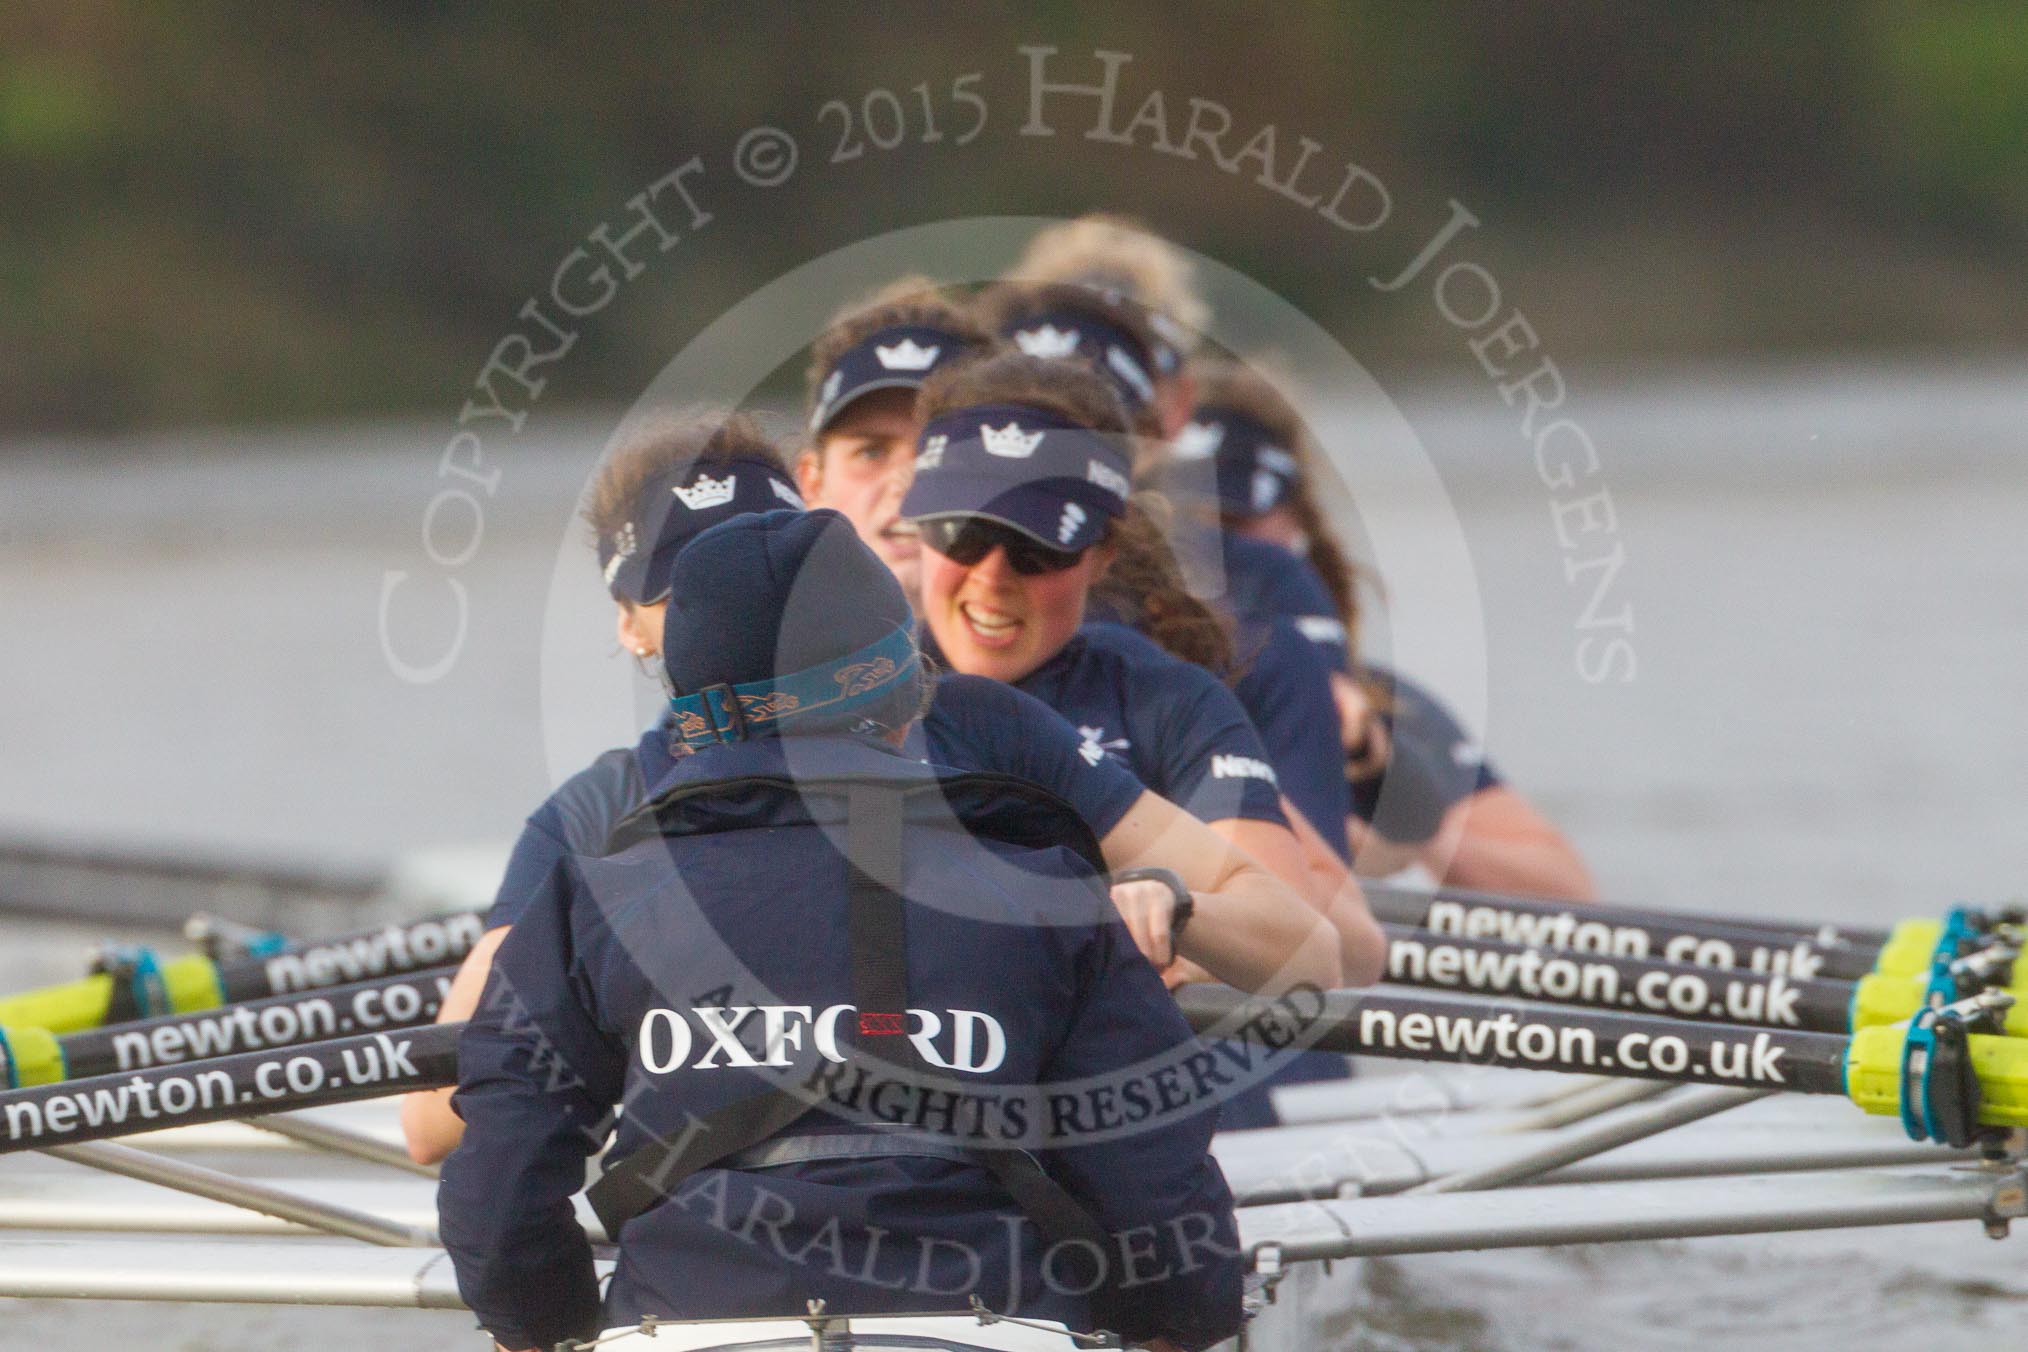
[964, 540]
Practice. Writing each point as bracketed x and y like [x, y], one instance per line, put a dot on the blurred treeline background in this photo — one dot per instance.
[225, 212]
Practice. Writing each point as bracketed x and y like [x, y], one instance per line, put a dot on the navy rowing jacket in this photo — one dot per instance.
[973, 724]
[670, 974]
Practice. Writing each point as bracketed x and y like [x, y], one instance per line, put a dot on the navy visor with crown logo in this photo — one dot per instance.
[677, 505]
[1253, 472]
[1050, 478]
[1069, 332]
[900, 357]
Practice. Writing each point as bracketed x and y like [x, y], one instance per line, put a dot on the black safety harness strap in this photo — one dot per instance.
[652, 1173]
[876, 924]
[738, 1135]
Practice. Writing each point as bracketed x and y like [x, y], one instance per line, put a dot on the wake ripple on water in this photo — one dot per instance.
[1809, 1293]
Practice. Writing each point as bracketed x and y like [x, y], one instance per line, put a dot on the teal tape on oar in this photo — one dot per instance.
[137, 975]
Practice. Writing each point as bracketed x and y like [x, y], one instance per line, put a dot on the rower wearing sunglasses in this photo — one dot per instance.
[662, 488]
[1020, 488]
[1422, 792]
[1280, 679]
[865, 371]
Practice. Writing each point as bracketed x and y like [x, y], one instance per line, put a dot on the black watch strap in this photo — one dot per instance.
[1186, 905]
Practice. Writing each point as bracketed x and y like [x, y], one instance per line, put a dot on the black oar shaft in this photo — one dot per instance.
[1428, 960]
[389, 1002]
[385, 951]
[1855, 936]
[1617, 932]
[310, 1076]
[1525, 1037]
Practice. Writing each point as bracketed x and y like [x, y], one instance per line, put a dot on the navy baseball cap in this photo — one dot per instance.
[782, 621]
[1254, 474]
[1053, 479]
[674, 507]
[1068, 331]
[899, 357]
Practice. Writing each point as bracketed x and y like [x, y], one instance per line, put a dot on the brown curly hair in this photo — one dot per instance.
[1144, 585]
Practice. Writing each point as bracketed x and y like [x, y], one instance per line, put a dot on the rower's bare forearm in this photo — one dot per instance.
[1497, 841]
[430, 1127]
[1533, 869]
[1258, 935]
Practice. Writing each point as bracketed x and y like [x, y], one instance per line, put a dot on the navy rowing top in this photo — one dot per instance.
[1435, 763]
[1174, 725]
[1285, 688]
[1264, 581]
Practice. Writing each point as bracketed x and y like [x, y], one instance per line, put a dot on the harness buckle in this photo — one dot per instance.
[883, 1025]
[735, 713]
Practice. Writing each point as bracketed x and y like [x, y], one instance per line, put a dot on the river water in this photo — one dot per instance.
[1823, 568]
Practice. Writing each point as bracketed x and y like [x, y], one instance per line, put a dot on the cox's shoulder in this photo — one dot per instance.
[601, 791]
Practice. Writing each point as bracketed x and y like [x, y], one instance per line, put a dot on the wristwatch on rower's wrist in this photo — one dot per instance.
[1186, 905]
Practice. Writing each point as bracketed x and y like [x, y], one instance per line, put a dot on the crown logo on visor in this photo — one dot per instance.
[1199, 441]
[1010, 441]
[1047, 341]
[906, 355]
[707, 492]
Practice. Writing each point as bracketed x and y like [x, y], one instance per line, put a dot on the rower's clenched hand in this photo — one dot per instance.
[1149, 908]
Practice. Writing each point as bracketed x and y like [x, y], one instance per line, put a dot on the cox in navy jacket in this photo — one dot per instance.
[1049, 1029]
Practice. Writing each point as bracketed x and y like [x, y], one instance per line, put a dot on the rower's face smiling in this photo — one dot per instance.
[862, 466]
[992, 621]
